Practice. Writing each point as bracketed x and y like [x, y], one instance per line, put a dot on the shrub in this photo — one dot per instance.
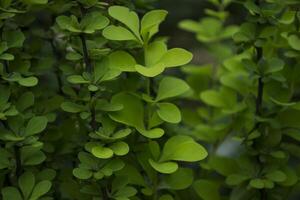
[84, 105]
[247, 102]
[91, 106]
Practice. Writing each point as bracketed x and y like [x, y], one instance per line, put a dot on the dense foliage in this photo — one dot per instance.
[248, 111]
[92, 106]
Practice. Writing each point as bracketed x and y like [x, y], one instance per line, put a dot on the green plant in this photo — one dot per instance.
[84, 104]
[251, 105]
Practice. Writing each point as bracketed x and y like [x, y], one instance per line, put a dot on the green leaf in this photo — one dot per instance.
[26, 183]
[257, 183]
[120, 148]
[13, 38]
[25, 101]
[72, 107]
[153, 133]
[122, 61]
[102, 152]
[7, 56]
[164, 167]
[182, 148]
[117, 33]
[169, 112]
[150, 71]
[77, 79]
[181, 179]
[11, 193]
[28, 82]
[291, 177]
[36, 125]
[294, 42]
[223, 165]
[276, 176]
[73, 56]
[68, 23]
[274, 65]
[236, 179]
[154, 52]
[40, 189]
[125, 192]
[102, 104]
[176, 57]
[93, 21]
[166, 197]
[171, 87]
[213, 98]
[36, 1]
[150, 23]
[82, 173]
[127, 17]
[207, 189]
[31, 155]
[132, 113]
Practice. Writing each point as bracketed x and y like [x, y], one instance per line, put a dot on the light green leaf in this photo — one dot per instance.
[150, 23]
[82, 173]
[154, 52]
[77, 79]
[169, 112]
[183, 148]
[122, 61]
[171, 87]
[150, 71]
[117, 33]
[102, 152]
[120, 148]
[190, 25]
[257, 183]
[132, 113]
[294, 42]
[153, 133]
[73, 56]
[36, 125]
[213, 98]
[26, 183]
[127, 17]
[40, 189]
[164, 167]
[28, 82]
[68, 23]
[93, 21]
[7, 56]
[176, 57]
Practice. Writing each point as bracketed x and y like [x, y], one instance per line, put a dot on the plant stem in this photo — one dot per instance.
[104, 193]
[18, 161]
[85, 53]
[260, 87]
[58, 56]
[259, 101]
[155, 195]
